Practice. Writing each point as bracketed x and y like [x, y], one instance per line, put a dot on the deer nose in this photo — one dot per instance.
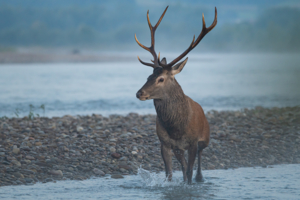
[139, 94]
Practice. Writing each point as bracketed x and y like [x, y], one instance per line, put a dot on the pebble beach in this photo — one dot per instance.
[81, 147]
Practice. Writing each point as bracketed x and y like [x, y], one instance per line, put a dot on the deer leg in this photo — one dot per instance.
[167, 158]
[179, 154]
[201, 146]
[192, 152]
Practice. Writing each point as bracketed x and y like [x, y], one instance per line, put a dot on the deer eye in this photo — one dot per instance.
[161, 80]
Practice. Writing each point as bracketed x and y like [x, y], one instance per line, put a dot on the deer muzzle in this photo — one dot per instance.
[141, 95]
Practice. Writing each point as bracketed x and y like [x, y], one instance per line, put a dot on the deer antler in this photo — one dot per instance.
[194, 43]
[151, 48]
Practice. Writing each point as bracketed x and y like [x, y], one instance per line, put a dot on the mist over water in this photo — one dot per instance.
[216, 81]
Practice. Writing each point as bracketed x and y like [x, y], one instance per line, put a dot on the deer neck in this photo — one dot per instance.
[173, 109]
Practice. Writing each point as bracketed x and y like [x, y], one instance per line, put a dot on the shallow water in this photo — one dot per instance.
[278, 182]
[216, 81]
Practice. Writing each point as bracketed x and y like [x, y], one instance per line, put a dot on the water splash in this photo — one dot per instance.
[152, 179]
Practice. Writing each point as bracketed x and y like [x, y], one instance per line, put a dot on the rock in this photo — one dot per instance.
[9, 158]
[56, 172]
[26, 148]
[112, 149]
[84, 146]
[267, 135]
[26, 171]
[71, 169]
[30, 157]
[8, 169]
[117, 176]
[135, 149]
[17, 163]
[28, 180]
[26, 161]
[221, 134]
[127, 167]
[234, 138]
[79, 128]
[98, 172]
[47, 180]
[211, 166]
[124, 135]
[16, 150]
[4, 150]
[123, 158]
[38, 144]
[115, 155]
[124, 171]
[18, 175]
[5, 126]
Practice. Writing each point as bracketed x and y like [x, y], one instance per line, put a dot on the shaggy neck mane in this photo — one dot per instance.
[173, 110]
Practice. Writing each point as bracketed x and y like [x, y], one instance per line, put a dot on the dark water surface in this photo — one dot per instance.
[278, 182]
[216, 81]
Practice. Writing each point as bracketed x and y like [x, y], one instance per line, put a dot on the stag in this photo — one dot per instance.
[180, 123]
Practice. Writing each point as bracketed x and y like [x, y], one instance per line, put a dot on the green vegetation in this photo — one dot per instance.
[32, 114]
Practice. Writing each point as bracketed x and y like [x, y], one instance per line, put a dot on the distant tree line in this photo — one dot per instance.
[276, 29]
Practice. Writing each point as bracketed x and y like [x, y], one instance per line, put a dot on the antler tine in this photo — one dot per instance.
[144, 47]
[151, 49]
[147, 64]
[161, 17]
[204, 31]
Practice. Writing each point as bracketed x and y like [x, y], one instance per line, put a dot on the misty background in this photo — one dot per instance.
[243, 26]
[79, 56]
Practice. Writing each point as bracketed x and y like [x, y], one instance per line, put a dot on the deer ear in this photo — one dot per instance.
[164, 61]
[178, 67]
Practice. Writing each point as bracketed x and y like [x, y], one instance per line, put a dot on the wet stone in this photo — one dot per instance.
[30, 157]
[117, 176]
[5, 162]
[16, 150]
[98, 172]
[121, 144]
[47, 180]
[56, 172]
[112, 149]
[28, 180]
[17, 163]
[116, 155]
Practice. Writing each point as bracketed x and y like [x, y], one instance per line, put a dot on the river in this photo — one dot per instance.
[216, 81]
[273, 182]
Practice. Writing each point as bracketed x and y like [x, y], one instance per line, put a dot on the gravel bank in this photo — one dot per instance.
[77, 148]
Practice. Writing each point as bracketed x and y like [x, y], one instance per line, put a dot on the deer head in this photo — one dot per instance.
[162, 80]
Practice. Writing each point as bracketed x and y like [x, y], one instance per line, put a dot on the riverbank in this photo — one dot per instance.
[77, 148]
[60, 56]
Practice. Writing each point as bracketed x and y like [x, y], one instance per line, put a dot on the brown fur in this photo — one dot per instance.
[180, 123]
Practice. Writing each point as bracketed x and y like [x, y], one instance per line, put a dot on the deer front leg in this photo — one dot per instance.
[201, 146]
[180, 157]
[192, 152]
[167, 158]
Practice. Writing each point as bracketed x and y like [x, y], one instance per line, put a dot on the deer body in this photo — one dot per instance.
[182, 128]
[180, 123]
